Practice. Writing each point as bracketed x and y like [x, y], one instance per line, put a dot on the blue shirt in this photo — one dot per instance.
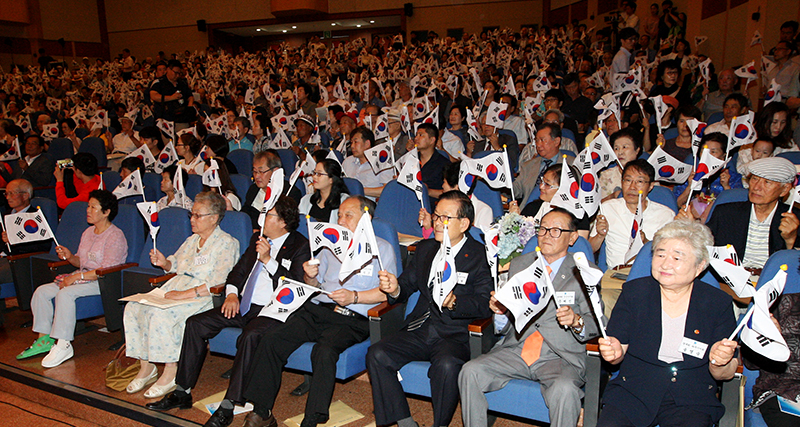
[245, 144]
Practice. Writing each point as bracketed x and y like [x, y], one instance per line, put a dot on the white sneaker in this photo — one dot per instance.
[60, 353]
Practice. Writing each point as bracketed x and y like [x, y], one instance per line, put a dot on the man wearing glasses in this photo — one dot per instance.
[264, 163]
[550, 349]
[430, 333]
[280, 251]
[548, 144]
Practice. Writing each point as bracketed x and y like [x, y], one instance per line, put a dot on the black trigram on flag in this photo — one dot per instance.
[538, 272]
[300, 291]
[499, 161]
[564, 197]
[680, 170]
[517, 292]
[337, 250]
[409, 179]
[588, 199]
[528, 312]
[662, 159]
[42, 232]
[773, 295]
[21, 235]
[282, 310]
[317, 240]
[367, 248]
[318, 226]
[479, 167]
[18, 221]
[502, 177]
[764, 341]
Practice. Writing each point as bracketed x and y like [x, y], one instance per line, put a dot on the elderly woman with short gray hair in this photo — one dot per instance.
[669, 334]
[153, 335]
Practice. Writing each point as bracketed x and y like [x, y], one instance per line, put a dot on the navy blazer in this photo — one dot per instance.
[472, 297]
[643, 380]
[730, 222]
[294, 252]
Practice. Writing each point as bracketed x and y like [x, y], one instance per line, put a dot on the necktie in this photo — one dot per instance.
[247, 296]
[532, 347]
[547, 163]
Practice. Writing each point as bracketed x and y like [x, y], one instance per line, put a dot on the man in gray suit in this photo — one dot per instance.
[550, 349]
[548, 143]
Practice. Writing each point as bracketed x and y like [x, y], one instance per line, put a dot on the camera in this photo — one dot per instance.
[65, 163]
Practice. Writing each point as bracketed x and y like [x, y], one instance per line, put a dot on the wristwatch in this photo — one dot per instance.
[579, 329]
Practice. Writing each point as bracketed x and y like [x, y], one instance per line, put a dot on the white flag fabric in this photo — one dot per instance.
[473, 127]
[493, 168]
[627, 82]
[420, 108]
[773, 93]
[332, 236]
[405, 119]
[287, 297]
[12, 153]
[143, 153]
[591, 278]
[705, 71]
[332, 155]
[589, 188]
[25, 124]
[167, 127]
[180, 189]
[708, 166]
[527, 293]
[635, 244]
[491, 236]
[601, 152]
[668, 168]
[211, 175]
[747, 71]
[381, 128]
[496, 114]
[271, 193]
[26, 227]
[380, 157]
[411, 177]
[149, 211]
[50, 131]
[281, 140]
[542, 83]
[759, 333]
[412, 154]
[742, 131]
[362, 248]
[101, 118]
[166, 159]
[432, 117]
[726, 263]
[567, 194]
[53, 104]
[443, 276]
[661, 108]
[698, 130]
[130, 186]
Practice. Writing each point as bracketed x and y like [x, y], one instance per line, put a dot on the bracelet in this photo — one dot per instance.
[355, 297]
[196, 293]
[82, 276]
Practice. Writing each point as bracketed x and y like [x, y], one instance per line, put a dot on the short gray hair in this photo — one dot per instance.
[697, 235]
[557, 112]
[215, 203]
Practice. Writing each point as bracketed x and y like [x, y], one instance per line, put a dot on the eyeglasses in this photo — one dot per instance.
[437, 217]
[15, 193]
[548, 185]
[638, 182]
[262, 172]
[193, 215]
[315, 173]
[554, 232]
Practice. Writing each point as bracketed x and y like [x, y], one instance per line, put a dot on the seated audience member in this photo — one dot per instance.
[130, 165]
[396, 137]
[713, 101]
[431, 162]
[483, 213]
[548, 141]
[557, 117]
[357, 166]
[171, 197]
[576, 106]
[280, 251]
[151, 137]
[153, 335]
[735, 105]
[36, 166]
[18, 195]
[761, 149]
[68, 127]
[514, 122]
[494, 141]
[241, 139]
[262, 128]
[680, 147]
[762, 225]
[53, 305]
[659, 382]
[127, 139]
[627, 145]
[773, 123]
[74, 184]
[264, 164]
[456, 124]
[329, 192]
[301, 140]
[723, 179]
[188, 149]
[670, 84]
[430, 333]
[216, 147]
[227, 189]
[333, 323]
[668, 119]
[551, 348]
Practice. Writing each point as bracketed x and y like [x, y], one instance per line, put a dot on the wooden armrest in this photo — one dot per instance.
[56, 264]
[411, 248]
[479, 326]
[113, 269]
[217, 290]
[380, 309]
[739, 369]
[593, 345]
[23, 256]
[160, 279]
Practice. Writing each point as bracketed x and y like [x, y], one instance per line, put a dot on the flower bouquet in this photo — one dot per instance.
[515, 232]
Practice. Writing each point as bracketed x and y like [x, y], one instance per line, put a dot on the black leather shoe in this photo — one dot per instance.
[302, 388]
[222, 418]
[175, 399]
[313, 420]
[255, 420]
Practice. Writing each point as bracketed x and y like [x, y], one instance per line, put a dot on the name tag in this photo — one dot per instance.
[286, 263]
[693, 348]
[92, 256]
[565, 298]
[462, 278]
[201, 260]
[366, 271]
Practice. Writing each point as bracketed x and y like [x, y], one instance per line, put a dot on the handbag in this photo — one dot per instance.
[121, 370]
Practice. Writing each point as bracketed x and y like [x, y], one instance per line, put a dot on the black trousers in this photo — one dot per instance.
[333, 333]
[669, 415]
[386, 357]
[206, 325]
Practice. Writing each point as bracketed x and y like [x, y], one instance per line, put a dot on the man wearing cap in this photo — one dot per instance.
[347, 123]
[357, 166]
[127, 139]
[301, 139]
[762, 225]
[397, 138]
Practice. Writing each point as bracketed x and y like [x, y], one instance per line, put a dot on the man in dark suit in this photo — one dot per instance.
[548, 143]
[430, 333]
[249, 287]
[558, 333]
[762, 225]
[37, 167]
[264, 163]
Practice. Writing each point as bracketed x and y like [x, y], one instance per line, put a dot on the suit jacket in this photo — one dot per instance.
[503, 139]
[565, 343]
[252, 192]
[294, 252]
[40, 172]
[730, 222]
[643, 380]
[399, 147]
[528, 172]
[472, 297]
[25, 248]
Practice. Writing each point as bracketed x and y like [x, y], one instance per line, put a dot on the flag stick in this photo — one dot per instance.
[154, 242]
[308, 230]
[744, 321]
[39, 208]
[3, 224]
[508, 164]
[689, 199]
[377, 251]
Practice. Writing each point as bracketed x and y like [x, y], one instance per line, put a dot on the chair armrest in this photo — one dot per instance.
[593, 346]
[411, 248]
[23, 256]
[594, 381]
[384, 320]
[161, 279]
[481, 336]
[113, 269]
[217, 289]
[380, 309]
[56, 264]
[479, 326]
[218, 295]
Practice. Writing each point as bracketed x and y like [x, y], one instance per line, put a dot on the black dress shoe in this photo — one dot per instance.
[255, 420]
[303, 388]
[175, 399]
[222, 418]
[313, 420]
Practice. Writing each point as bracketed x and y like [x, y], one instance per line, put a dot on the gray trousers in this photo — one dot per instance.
[561, 385]
[58, 321]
